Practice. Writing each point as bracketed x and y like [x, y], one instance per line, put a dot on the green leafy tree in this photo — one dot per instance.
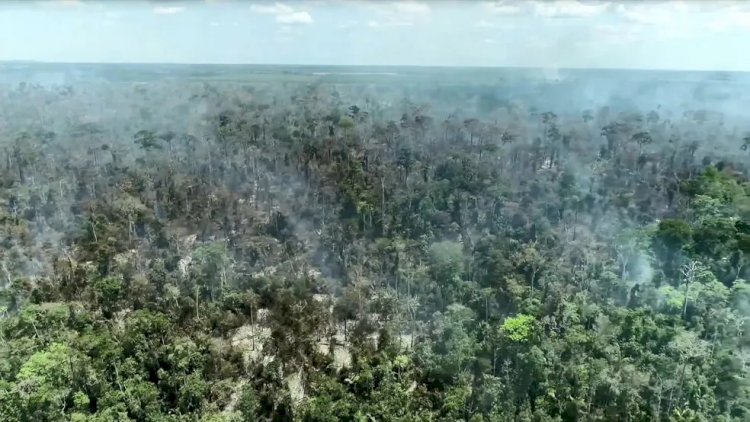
[519, 328]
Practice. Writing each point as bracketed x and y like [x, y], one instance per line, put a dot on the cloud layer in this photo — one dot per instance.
[168, 10]
[284, 13]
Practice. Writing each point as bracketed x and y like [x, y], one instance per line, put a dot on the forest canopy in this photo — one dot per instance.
[334, 248]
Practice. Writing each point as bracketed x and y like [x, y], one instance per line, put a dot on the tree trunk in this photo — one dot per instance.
[382, 203]
[684, 306]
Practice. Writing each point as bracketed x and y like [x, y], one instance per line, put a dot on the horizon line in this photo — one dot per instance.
[636, 69]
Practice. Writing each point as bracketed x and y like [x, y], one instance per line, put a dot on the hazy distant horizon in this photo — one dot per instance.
[390, 66]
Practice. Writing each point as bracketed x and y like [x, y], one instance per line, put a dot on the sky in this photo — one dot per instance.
[679, 35]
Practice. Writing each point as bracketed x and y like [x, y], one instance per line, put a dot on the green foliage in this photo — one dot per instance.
[674, 234]
[519, 328]
[108, 291]
[674, 298]
[45, 382]
[717, 185]
[248, 405]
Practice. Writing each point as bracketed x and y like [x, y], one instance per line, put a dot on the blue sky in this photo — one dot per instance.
[711, 35]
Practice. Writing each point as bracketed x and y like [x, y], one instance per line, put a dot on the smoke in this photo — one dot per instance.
[119, 101]
[641, 270]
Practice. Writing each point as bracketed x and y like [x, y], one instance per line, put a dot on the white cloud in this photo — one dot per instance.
[548, 8]
[681, 19]
[503, 8]
[276, 9]
[568, 9]
[697, 14]
[294, 17]
[412, 7]
[392, 14]
[650, 13]
[733, 17]
[60, 3]
[283, 13]
[214, 24]
[168, 10]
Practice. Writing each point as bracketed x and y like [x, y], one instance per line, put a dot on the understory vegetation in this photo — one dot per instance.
[190, 251]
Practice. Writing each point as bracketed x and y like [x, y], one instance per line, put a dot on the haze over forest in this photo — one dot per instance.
[372, 243]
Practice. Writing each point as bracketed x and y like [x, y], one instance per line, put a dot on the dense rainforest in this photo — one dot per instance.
[274, 251]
